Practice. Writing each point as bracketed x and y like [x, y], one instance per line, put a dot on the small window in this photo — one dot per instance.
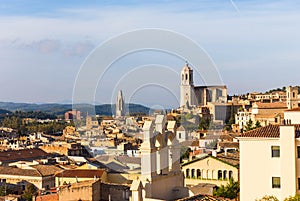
[298, 183]
[275, 151]
[275, 182]
[179, 135]
[298, 151]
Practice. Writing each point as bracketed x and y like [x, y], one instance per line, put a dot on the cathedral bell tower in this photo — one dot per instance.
[187, 86]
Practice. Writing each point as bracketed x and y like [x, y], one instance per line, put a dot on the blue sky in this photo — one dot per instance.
[254, 44]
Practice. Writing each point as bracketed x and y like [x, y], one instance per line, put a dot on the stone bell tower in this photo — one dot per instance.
[187, 94]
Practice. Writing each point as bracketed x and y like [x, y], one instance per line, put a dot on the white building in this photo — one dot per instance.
[270, 161]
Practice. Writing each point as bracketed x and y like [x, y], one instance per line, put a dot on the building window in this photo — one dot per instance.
[187, 173]
[198, 173]
[298, 183]
[298, 151]
[225, 174]
[275, 151]
[220, 174]
[179, 134]
[193, 173]
[275, 182]
[230, 174]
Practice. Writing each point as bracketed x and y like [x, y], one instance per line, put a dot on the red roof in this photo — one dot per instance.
[270, 131]
[23, 154]
[80, 173]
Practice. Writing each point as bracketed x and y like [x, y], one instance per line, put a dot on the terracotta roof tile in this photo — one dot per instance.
[271, 105]
[297, 109]
[80, 173]
[204, 198]
[23, 154]
[270, 131]
[19, 172]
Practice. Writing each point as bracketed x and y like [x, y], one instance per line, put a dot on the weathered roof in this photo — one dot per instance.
[19, 171]
[80, 173]
[270, 131]
[46, 170]
[127, 159]
[22, 154]
[297, 109]
[204, 198]
[230, 159]
[270, 105]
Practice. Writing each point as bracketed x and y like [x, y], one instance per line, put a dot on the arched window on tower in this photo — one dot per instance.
[186, 76]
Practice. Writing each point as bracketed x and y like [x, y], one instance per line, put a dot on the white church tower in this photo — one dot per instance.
[161, 177]
[120, 105]
[187, 94]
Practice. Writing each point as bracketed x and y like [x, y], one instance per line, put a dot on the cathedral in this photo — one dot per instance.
[194, 96]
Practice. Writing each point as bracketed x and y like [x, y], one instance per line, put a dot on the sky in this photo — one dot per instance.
[254, 45]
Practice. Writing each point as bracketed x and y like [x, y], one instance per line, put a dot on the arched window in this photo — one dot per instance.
[182, 77]
[193, 173]
[186, 77]
[187, 173]
[230, 174]
[212, 174]
[225, 174]
[220, 174]
[198, 173]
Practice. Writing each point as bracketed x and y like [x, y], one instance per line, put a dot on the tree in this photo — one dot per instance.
[249, 126]
[231, 190]
[184, 153]
[293, 198]
[257, 124]
[29, 192]
[268, 198]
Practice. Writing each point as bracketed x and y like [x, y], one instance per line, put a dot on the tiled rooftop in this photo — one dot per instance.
[270, 131]
[204, 198]
[23, 154]
[80, 173]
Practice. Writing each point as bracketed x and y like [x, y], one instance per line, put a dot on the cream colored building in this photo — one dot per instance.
[270, 162]
[42, 176]
[212, 170]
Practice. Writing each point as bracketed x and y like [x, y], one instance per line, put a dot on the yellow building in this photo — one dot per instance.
[212, 170]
